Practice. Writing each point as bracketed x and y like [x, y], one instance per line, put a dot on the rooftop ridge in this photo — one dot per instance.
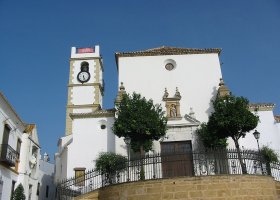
[167, 50]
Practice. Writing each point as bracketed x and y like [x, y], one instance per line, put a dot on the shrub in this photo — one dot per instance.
[269, 154]
[108, 162]
[19, 193]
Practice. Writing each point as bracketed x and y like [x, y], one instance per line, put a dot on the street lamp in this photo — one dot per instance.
[257, 137]
[127, 141]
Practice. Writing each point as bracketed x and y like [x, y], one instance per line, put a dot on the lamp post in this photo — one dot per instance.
[257, 137]
[127, 141]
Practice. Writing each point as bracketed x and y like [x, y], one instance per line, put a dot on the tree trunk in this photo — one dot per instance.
[142, 171]
[243, 165]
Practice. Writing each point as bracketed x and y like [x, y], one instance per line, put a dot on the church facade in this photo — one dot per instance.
[183, 80]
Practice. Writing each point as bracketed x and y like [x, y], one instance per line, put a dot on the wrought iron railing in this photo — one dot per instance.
[8, 155]
[158, 166]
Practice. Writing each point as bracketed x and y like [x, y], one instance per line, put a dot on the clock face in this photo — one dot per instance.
[83, 77]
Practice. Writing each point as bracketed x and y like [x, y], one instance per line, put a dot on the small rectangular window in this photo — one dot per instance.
[47, 191]
[18, 146]
[13, 189]
[80, 176]
[38, 189]
[30, 192]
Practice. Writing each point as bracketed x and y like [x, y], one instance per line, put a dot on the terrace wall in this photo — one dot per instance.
[229, 187]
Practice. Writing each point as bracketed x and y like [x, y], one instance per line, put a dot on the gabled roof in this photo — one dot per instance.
[165, 50]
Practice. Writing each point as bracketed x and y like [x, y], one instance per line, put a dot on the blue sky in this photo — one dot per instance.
[36, 39]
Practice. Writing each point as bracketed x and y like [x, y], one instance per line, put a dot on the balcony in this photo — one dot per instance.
[8, 155]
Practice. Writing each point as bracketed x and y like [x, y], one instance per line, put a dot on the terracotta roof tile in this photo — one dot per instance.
[164, 50]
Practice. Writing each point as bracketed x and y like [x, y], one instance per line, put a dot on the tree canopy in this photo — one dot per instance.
[108, 162]
[19, 193]
[210, 140]
[231, 118]
[140, 120]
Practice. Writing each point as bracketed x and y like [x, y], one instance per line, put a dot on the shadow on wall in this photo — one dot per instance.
[214, 95]
[47, 188]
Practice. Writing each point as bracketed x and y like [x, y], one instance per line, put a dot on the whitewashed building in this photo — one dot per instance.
[268, 127]
[88, 129]
[47, 188]
[19, 154]
[183, 80]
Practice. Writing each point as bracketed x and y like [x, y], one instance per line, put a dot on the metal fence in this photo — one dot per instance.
[158, 166]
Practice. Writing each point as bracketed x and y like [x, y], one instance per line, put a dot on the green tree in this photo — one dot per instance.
[232, 118]
[109, 163]
[210, 140]
[269, 156]
[140, 120]
[19, 193]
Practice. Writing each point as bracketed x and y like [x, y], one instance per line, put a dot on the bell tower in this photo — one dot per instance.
[85, 86]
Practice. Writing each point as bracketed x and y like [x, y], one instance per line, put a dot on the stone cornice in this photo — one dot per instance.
[84, 106]
[86, 58]
[95, 114]
[84, 84]
[169, 126]
[261, 106]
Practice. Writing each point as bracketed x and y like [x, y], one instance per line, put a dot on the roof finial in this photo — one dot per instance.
[177, 93]
[165, 95]
[192, 113]
[120, 94]
[223, 89]
[221, 82]
[122, 87]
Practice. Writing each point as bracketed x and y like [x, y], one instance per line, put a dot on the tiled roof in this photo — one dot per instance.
[167, 51]
[261, 106]
[29, 128]
[94, 114]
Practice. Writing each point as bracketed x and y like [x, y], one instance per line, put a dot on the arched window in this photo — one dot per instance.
[84, 66]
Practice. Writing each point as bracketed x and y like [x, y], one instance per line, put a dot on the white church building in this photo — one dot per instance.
[183, 80]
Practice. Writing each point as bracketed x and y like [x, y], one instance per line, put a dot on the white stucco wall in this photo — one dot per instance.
[88, 141]
[269, 133]
[7, 178]
[196, 76]
[25, 174]
[83, 95]
[46, 178]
